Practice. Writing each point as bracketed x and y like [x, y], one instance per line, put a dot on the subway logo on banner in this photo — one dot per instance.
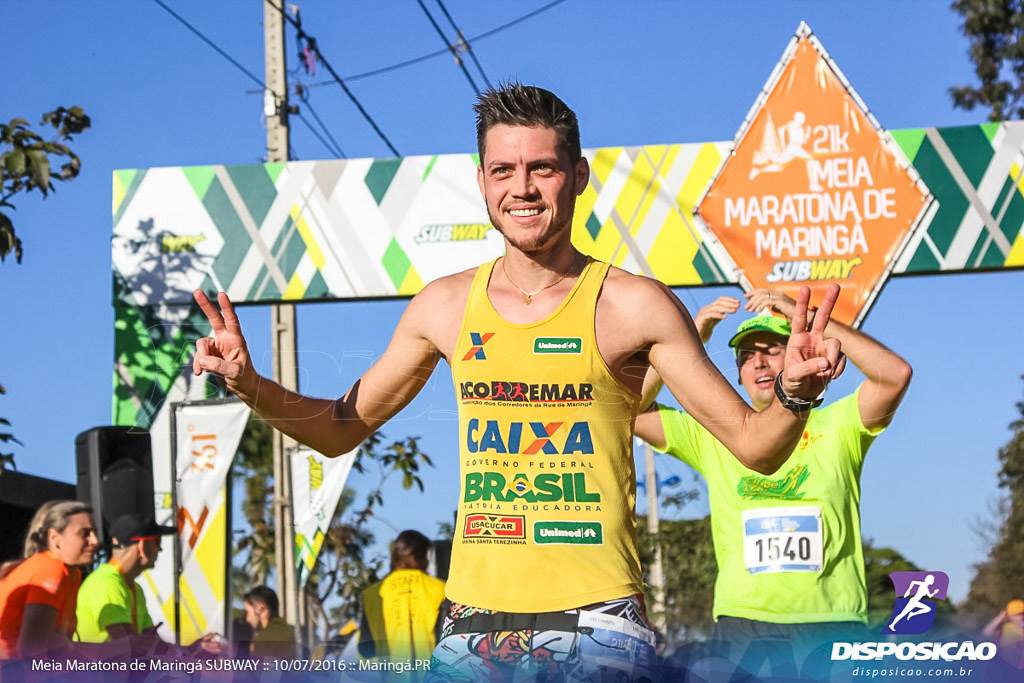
[504, 526]
[537, 437]
[521, 392]
[543, 488]
[821, 269]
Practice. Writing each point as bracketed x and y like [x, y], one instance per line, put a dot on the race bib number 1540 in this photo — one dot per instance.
[782, 539]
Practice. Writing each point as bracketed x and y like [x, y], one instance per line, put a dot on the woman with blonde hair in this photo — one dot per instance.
[38, 594]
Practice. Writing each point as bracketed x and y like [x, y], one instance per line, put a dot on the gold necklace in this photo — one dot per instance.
[529, 295]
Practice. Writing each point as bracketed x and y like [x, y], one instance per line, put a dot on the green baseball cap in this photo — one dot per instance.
[761, 323]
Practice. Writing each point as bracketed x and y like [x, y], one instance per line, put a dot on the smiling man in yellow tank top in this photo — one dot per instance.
[549, 350]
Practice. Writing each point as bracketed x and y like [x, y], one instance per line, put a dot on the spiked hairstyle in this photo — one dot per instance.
[515, 104]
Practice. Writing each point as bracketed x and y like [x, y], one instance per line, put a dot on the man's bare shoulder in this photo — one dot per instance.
[443, 289]
[436, 312]
[645, 306]
[626, 288]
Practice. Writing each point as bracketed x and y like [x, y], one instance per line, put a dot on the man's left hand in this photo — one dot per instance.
[811, 360]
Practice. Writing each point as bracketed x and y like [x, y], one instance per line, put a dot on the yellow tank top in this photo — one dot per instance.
[546, 510]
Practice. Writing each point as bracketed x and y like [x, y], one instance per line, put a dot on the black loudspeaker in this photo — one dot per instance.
[115, 473]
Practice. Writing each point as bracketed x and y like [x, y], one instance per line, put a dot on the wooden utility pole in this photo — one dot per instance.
[657, 574]
[283, 336]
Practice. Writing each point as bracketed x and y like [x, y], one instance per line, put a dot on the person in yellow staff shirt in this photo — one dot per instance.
[401, 614]
[111, 604]
[274, 637]
[1007, 628]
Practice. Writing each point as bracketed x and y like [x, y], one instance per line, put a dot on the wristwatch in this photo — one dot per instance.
[796, 405]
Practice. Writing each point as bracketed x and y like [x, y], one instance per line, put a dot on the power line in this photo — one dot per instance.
[209, 42]
[303, 95]
[317, 135]
[316, 49]
[464, 43]
[453, 48]
[438, 53]
[529, 15]
[335, 150]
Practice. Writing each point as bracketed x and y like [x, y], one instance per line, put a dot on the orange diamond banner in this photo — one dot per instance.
[813, 192]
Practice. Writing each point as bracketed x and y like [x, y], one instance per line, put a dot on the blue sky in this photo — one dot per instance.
[635, 72]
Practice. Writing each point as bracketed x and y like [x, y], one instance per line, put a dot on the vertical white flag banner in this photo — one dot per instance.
[317, 484]
[207, 437]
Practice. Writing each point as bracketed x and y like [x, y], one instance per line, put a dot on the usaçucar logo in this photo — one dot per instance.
[505, 526]
[917, 596]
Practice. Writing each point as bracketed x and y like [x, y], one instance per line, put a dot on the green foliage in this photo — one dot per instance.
[27, 163]
[998, 578]
[445, 531]
[7, 459]
[878, 564]
[343, 569]
[995, 29]
[688, 558]
[254, 466]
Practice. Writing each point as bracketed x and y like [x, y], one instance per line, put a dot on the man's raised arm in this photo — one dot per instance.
[331, 427]
[760, 441]
[887, 375]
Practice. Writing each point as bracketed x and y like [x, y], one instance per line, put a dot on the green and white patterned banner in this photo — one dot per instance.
[384, 227]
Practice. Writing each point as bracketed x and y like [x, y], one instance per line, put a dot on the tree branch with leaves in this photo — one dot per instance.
[995, 29]
[29, 163]
[26, 165]
[7, 459]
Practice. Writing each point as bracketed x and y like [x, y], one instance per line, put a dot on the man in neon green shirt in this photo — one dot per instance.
[110, 604]
[787, 542]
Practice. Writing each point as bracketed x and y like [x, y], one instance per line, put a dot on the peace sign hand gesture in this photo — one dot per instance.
[226, 353]
[811, 360]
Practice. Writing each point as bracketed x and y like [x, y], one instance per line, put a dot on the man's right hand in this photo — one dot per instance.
[226, 353]
[712, 314]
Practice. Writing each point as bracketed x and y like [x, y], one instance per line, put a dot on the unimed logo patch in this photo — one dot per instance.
[558, 345]
[572, 533]
[503, 526]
